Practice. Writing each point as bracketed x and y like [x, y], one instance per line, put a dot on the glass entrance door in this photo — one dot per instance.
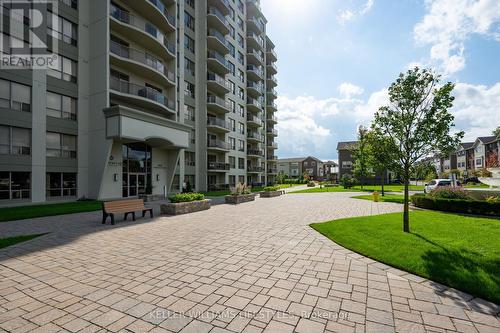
[136, 184]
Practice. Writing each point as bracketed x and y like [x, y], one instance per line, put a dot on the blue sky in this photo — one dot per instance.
[337, 57]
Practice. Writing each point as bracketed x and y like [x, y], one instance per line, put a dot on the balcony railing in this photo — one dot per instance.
[255, 3]
[256, 70]
[214, 11]
[254, 119]
[218, 144]
[272, 157]
[272, 65]
[272, 118]
[142, 57]
[143, 25]
[255, 152]
[214, 33]
[162, 8]
[256, 54]
[259, 24]
[256, 37]
[218, 166]
[255, 135]
[271, 170]
[219, 101]
[272, 91]
[254, 169]
[212, 77]
[272, 131]
[273, 145]
[212, 121]
[273, 52]
[272, 105]
[217, 56]
[254, 85]
[141, 91]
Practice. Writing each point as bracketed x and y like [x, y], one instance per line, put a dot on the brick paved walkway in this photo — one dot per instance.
[249, 268]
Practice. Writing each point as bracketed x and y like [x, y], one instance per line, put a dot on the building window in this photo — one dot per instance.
[189, 113]
[241, 93]
[346, 164]
[241, 128]
[241, 179]
[241, 76]
[15, 96]
[241, 110]
[232, 180]
[189, 66]
[15, 140]
[241, 41]
[189, 21]
[189, 43]
[63, 68]
[71, 3]
[232, 124]
[190, 158]
[60, 184]
[241, 163]
[232, 162]
[59, 106]
[241, 58]
[15, 185]
[232, 143]
[190, 3]
[189, 91]
[232, 67]
[62, 29]
[232, 50]
[61, 145]
[479, 162]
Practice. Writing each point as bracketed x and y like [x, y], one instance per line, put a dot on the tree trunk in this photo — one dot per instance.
[406, 211]
[383, 181]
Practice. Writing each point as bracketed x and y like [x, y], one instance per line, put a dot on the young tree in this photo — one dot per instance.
[423, 169]
[382, 154]
[496, 131]
[362, 156]
[417, 122]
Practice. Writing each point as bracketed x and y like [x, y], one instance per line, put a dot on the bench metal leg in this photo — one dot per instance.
[104, 217]
[151, 213]
[125, 216]
[133, 216]
[112, 218]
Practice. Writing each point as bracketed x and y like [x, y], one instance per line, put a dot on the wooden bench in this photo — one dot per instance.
[129, 206]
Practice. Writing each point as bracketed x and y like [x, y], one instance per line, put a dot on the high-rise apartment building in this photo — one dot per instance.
[146, 96]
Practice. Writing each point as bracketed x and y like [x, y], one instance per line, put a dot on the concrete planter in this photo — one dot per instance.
[185, 207]
[237, 199]
[270, 194]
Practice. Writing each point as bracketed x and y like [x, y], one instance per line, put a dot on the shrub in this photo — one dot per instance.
[241, 188]
[186, 197]
[311, 184]
[294, 181]
[331, 185]
[271, 188]
[347, 181]
[449, 192]
[467, 206]
[493, 199]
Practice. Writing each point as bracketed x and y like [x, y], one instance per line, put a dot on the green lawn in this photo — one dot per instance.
[366, 188]
[4, 242]
[480, 185]
[397, 198]
[32, 211]
[458, 251]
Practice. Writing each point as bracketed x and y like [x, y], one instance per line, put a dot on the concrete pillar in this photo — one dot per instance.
[38, 135]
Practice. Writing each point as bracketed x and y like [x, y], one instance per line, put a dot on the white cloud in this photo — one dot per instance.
[476, 109]
[347, 15]
[448, 24]
[348, 90]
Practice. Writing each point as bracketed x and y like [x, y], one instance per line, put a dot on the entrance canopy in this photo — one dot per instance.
[130, 125]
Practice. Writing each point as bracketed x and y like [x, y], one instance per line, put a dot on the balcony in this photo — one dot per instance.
[154, 11]
[218, 125]
[255, 73]
[256, 153]
[142, 96]
[255, 57]
[222, 5]
[255, 41]
[139, 62]
[254, 169]
[217, 41]
[272, 171]
[218, 166]
[254, 121]
[217, 84]
[217, 104]
[140, 30]
[217, 20]
[272, 157]
[272, 145]
[253, 6]
[271, 68]
[256, 89]
[217, 62]
[271, 132]
[271, 55]
[253, 105]
[271, 119]
[271, 81]
[255, 137]
[218, 145]
[272, 106]
[255, 25]
[272, 93]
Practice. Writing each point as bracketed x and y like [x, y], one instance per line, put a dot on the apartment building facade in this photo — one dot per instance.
[314, 167]
[146, 96]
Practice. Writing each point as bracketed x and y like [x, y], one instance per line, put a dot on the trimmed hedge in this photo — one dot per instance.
[457, 205]
[271, 188]
[294, 181]
[186, 197]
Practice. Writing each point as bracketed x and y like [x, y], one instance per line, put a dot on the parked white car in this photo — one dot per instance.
[438, 183]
